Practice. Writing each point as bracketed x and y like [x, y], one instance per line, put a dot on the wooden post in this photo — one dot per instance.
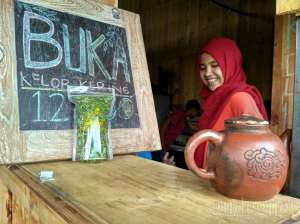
[283, 73]
[286, 87]
[294, 187]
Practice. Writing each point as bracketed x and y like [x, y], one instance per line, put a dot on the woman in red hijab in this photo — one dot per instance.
[225, 92]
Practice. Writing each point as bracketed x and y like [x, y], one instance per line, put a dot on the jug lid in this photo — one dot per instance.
[245, 121]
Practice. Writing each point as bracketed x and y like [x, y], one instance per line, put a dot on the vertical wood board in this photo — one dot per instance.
[5, 204]
[283, 73]
[294, 185]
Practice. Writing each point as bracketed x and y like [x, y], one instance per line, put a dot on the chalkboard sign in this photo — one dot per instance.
[47, 45]
[56, 49]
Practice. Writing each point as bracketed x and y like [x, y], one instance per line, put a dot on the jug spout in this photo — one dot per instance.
[286, 137]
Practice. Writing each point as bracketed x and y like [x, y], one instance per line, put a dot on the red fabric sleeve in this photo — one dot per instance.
[238, 104]
[175, 127]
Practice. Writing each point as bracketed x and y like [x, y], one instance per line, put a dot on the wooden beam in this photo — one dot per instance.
[287, 6]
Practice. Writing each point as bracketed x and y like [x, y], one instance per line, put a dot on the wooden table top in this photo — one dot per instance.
[132, 190]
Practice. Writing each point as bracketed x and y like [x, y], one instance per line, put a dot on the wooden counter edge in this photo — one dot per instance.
[34, 197]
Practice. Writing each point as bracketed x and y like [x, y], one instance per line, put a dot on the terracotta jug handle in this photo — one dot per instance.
[191, 146]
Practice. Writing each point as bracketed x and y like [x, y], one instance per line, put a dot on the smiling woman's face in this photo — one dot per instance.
[210, 72]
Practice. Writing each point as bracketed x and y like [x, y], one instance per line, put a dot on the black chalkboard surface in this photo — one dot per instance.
[56, 49]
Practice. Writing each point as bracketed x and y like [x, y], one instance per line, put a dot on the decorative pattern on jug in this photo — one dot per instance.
[246, 157]
[264, 164]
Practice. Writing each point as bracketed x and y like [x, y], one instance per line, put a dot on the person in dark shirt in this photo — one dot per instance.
[175, 125]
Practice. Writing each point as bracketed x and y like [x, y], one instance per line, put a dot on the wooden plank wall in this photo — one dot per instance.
[174, 37]
[283, 73]
[174, 30]
[255, 38]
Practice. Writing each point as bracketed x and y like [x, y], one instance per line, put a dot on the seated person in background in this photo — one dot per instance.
[175, 125]
[225, 92]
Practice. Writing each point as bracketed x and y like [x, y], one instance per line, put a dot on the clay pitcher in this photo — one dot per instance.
[245, 161]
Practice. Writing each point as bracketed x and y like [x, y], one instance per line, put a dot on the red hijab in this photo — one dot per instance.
[227, 54]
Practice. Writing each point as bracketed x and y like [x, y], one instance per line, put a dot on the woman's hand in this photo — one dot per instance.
[167, 160]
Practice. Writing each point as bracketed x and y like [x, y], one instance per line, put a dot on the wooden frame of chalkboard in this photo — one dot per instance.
[47, 45]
